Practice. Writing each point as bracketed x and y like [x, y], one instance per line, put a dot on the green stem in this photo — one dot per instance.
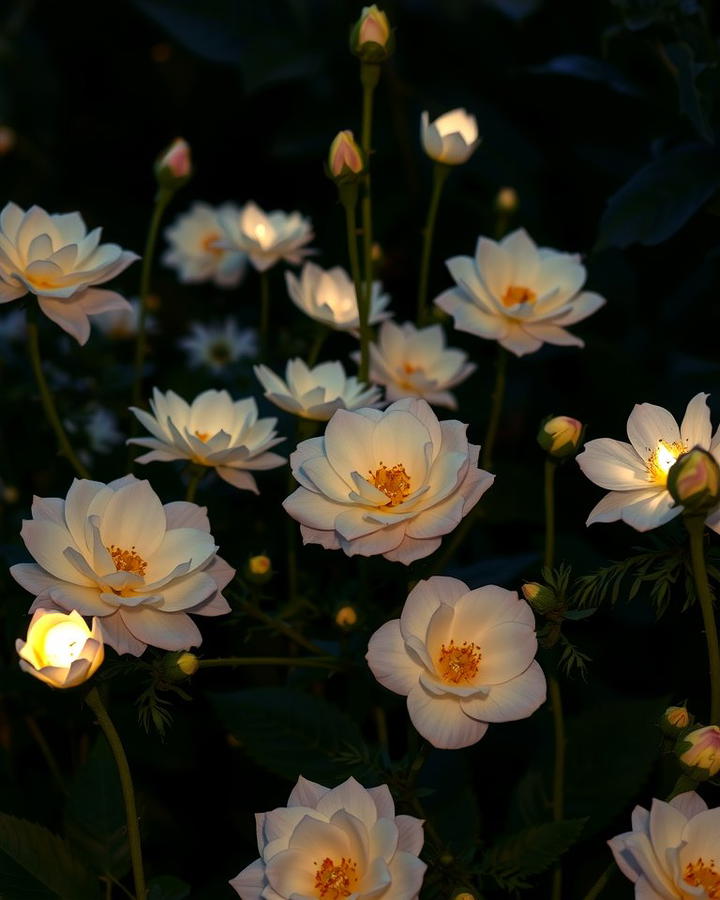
[46, 396]
[264, 314]
[369, 77]
[196, 477]
[113, 738]
[558, 790]
[601, 883]
[440, 174]
[320, 338]
[550, 468]
[348, 197]
[498, 396]
[696, 529]
[310, 662]
[282, 627]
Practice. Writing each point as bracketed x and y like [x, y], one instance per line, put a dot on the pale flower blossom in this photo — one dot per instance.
[266, 237]
[194, 250]
[451, 138]
[122, 324]
[60, 648]
[328, 296]
[218, 346]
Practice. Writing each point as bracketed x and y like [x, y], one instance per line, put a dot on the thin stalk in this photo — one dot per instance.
[498, 395]
[369, 77]
[264, 314]
[550, 468]
[696, 529]
[196, 477]
[113, 738]
[309, 662]
[349, 200]
[601, 883]
[558, 787]
[320, 338]
[282, 627]
[440, 174]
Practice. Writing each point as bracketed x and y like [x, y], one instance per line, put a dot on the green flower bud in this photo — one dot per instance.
[542, 598]
[694, 481]
[675, 720]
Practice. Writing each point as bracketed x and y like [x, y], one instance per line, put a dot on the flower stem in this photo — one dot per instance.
[550, 468]
[558, 788]
[282, 627]
[308, 662]
[696, 529]
[320, 338]
[196, 476]
[46, 396]
[440, 174]
[264, 314]
[113, 738]
[601, 883]
[348, 197]
[498, 395]
[369, 77]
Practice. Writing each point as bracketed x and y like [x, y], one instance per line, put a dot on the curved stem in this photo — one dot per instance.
[349, 200]
[113, 738]
[264, 313]
[196, 477]
[440, 174]
[549, 558]
[309, 662]
[320, 338]
[558, 790]
[696, 529]
[498, 396]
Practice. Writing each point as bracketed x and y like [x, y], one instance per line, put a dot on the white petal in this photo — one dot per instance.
[389, 660]
[441, 721]
[512, 700]
[648, 424]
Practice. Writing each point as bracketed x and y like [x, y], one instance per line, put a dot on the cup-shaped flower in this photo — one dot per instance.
[694, 481]
[60, 648]
[560, 436]
[390, 483]
[54, 257]
[345, 159]
[462, 658]
[218, 346]
[115, 552]
[518, 294]
[636, 474]
[371, 38]
[328, 296]
[193, 247]
[699, 752]
[333, 844]
[266, 237]
[315, 393]
[451, 138]
[214, 431]
[672, 851]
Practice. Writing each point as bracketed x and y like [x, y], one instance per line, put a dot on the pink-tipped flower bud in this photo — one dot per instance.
[542, 598]
[675, 720]
[372, 38]
[345, 159]
[173, 167]
[699, 752]
[694, 481]
[560, 436]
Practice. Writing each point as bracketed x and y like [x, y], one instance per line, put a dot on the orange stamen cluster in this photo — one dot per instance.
[662, 459]
[127, 560]
[705, 875]
[335, 882]
[517, 294]
[202, 435]
[394, 483]
[459, 662]
[209, 244]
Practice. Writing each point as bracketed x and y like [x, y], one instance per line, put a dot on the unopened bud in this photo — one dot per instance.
[542, 598]
[177, 665]
[560, 436]
[346, 617]
[345, 159]
[506, 200]
[464, 895]
[258, 569]
[173, 167]
[699, 752]
[674, 720]
[694, 481]
[371, 37]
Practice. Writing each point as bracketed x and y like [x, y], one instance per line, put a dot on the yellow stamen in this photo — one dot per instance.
[202, 435]
[209, 244]
[705, 875]
[662, 459]
[459, 662]
[127, 560]
[409, 369]
[517, 294]
[394, 483]
[335, 882]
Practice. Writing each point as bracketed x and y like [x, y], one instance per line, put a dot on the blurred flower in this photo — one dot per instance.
[214, 431]
[346, 617]
[345, 157]
[217, 346]
[518, 294]
[13, 326]
[114, 551]
[694, 481]
[8, 139]
[699, 753]
[462, 658]
[101, 427]
[266, 237]
[174, 166]
[60, 649]
[451, 138]
[122, 324]
[334, 844]
[560, 436]
[636, 473]
[672, 851]
[328, 296]
[390, 483]
[56, 259]
[507, 200]
[258, 569]
[315, 393]
[194, 250]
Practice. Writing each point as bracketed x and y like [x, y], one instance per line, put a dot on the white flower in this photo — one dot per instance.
[414, 362]
[214, 431]
[56, 259]
[672, 852]
[333, 844]
[636, 473]
[266, 237]
[328, 296]
[462, 658]
[101, 427]
[452, 138]
[518, 294]
[315, 393]
[217, 346]
[60, 649]
[194, 250]
[390, 483]
[122, 323]
[115, 552]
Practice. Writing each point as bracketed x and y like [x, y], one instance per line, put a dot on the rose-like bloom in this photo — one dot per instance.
[560, 436]
[194, 250]
[636, 473]
[701, 750]
[315, 393]
[345, 157]
[694, 481]
[214, 430]
[333, 844]
[218, 346]
[390, 483]
[462, 658]
[56, 259]
[414, 362]
[452, 138]
[518, 294]
[114, 551]
[266, 237]
[672, 851]
[60, 649]
[328, 296]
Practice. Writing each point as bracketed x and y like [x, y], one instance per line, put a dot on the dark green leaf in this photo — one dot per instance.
[575, 615]
[530, 851]
[589, 69]
[691, 100]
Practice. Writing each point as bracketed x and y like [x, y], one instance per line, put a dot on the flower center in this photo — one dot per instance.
[662, 459]
[702, 874]
[127, 560]
[408, 368]
[42, 283]
[394, 483]
[209, 244]
[459, 662]
[219, 352]
[202, 435]
[517, 294]
[333, 882]
[64, 643]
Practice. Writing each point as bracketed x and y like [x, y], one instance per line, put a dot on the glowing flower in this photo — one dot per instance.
[218, 346]
[194, 250]
[672, 851]
[328, 296]
[462, 658]
[333, 844]
[115, 552]
[452, 138]
[699, 752]
[315, 393]
[56, 259]
[266, 237]
[518, 294]
[60, 649]
[390, 483]
[636, 474]
[560, 436]
[214, 431]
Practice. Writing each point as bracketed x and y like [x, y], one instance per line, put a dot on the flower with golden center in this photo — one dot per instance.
[518, 294]
[54, 258]
[115, 552]
[334, 844]
[451, 138]
[214, 431]
[193, 247]
[266, 237]
[672, 851]
[328, 296]
[636, 474]
[60, 648]
[462, 658]
[390, 483]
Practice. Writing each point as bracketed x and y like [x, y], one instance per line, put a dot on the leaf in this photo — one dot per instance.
[689, 96]
[530, 851]
[589, 69]
[167, 887]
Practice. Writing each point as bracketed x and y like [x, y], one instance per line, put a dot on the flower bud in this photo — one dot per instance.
[542, 598]
[178, 665]
[463, 895]
[560, 436]
[188, 663]
[60, 649]
[258, 569]
[346, 617]
[452, 138]
[674, 720]
[506, 200]
[371, 38]
[345, 160]
[699, 752]
[694, 481]
[173, 167]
